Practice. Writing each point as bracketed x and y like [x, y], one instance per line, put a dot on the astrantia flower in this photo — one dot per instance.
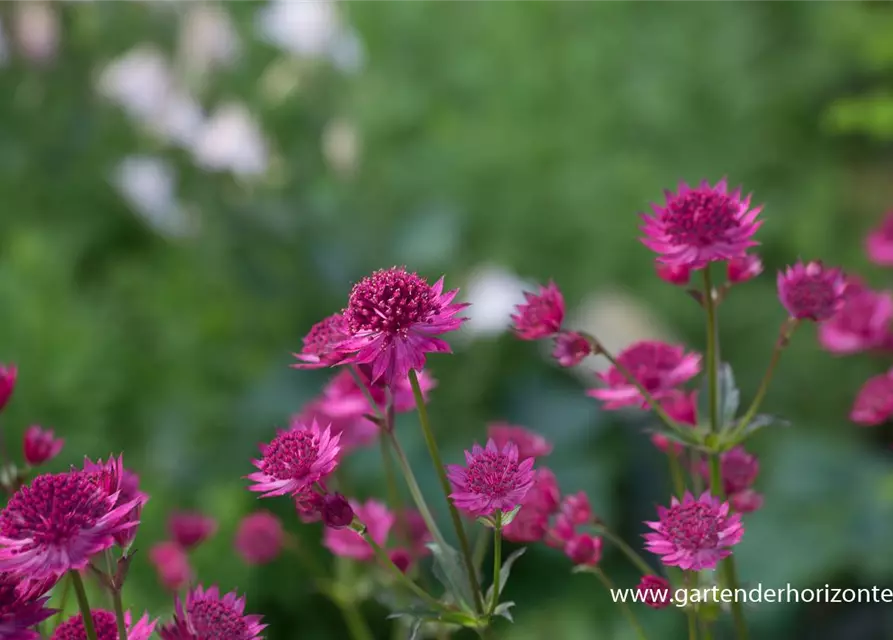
[694, 534]
[393, 317]
[532, 521]
[702, 225]
[8, 375]
[259, 538]
[58, 522]
[874, 402]
[350, 544]
[319, 344]
[113, 477]
[654, 591]
[862, 323]
[739, 470]
[530, 444]
[494, 480]
[746, 501]
[541, 315]
[681, 407]
[171, 564]
[879, 243]
[679, 274]
[190, 528]
[22, 606]
[584, 549]
[106, 627]
[745, 268]
[811, 291]
[576, 508]
[571, 348]
[659, 367]
[294, 460]
[205, 615]
[40, 445]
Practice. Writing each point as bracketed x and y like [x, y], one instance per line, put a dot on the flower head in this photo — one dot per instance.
[694, 534]
[654, 591]
[190, 528]
[678, 274]
[58, 521]
[206, 614]
[530, 444]
[584, 549]
[576, 508]
[259, 538]
[8, 374]
[350, 544]
[744, 268]
[319, 344]
[22, 606]
[541, 315]
[702, 225]
[494, 479]
[532, 522]
[106, 627]
[746, 501]
[739, 470]
[874, 402]
[863, 322]
[40, 445]
[879, 243]
[570, 348]
[336, 511]
[393, 317]
[113, 477]
[811, 291]
[171, 564]
[294, 460]
[659, 367]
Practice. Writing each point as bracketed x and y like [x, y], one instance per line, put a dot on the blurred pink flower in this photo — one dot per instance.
[862, 323]
[350, 544]
[172, 565]
[8, 374]
[530, 444]
[570, 348]
[654, 591]
[259, 538]
[679, 275]
[682, 407]
[743, 268]
[811, 291]
[584, 549]
[874, 402]
[541, 315]
[40, 445]
[879, 243]
[320, 342]
[190, 528]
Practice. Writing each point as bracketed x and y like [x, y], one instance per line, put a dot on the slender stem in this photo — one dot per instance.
[712, 350]
[692, 624]
[716, 485]
[445, 485]
[634, 557]
[497, 566]
[631, 618]
[356, 623]
[119, 614]
[83, 604]
[63, 600]
[676, 470]
[394, 498]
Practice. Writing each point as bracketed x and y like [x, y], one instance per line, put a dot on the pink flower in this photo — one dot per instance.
[694, 534]
[205, 614]
[584, 549]
[571, 348]
[739, 470]
[531, 523]
[743, 268]
[319, 345]
[811, 291]
[702, 225]
[541, 315]
[576, 508]
[190, 529]
[393, 317]
[113, 477]
[8, 374]
[863, 322]
[654, 591]
[493, 481]
[172, 565]
[40, 445]
[681, 407]
[561, 532]
[350, 544]
[336, 511]
[106, 627]
[678, 274]
[259, 538]
[544, 495]
[58, 522]
[530, 444]
[874, 402]
[659, 367]
[22, 606]
[746, 501]
[294, 460]
[879, 243]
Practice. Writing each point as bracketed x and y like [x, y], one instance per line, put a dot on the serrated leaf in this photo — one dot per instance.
[692, 438]
[504, 572]
[450, 571]
[502, 609]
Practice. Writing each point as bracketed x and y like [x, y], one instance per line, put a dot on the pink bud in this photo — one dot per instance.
[259, 538]
[172, 565]
[584, 549]
[7, 383]
[190, 528]
[40, 445]
[742, 269]
[336, 511]
[678, 275]
[570, 348]
[576, 508]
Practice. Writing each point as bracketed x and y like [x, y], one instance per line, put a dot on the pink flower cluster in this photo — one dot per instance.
[187, 530]
[541, 316]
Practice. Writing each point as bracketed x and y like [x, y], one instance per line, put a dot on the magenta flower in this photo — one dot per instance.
[113, 477]
[879, 243]
[294, 460]
[393, 317]
[531, 523]
[874, 402]
[739, 470]
[350, 544]
[570, 348]
[259, 538]
[171, 564]
[58, 522]
[22, 606]
[746, 501]
[106, 627]
[659, 367]
[336, 511]
[494, 480]
[682, 407]
[863, 322]
[530, 444]
[8, 374]
[40, 445]
[584, 549]
[811, 291]
[744, 268]
[207, 614]
[694, 534]
[319, 344]
[541, 315]
[702, 225]
[654, 591]
[678, 274]
[576, 508]
[190, 528]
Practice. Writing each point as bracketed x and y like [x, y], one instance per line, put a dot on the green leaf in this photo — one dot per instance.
[728, 397]
[760, 422]
[506, 518]
[502, 609]
[450, 571]
[505, 572]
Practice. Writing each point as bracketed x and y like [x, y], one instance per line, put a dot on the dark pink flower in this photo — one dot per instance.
[393, 317]
[401, 559]
[494, 479]
[106, 627]
[57, 522]
[584, 549]
[171, 564]
[206, 614]
[294, 460]
[678, 274]
[40, 445]
[22, 606]
[336, 511]
[113, 476]
[259, 538]
[8, 375]
[190, 528]
[544, 495]
[654, 591]
[319, 345]
[530, 444]
[532, 522]
[529, 525]
[863, 322]
[353, 431]
[350, 544]
[811, 291]
[874, 402]
[879, 243]
[739, 470]
[576, 508]
[694, 534]
[682, 407]
[743, 268]
[746, 501]
[570, 348]
[702, 225]
[541, 315]
[659, 367]
[561, 532]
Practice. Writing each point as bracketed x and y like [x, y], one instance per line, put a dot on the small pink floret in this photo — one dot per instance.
[321, 342]
[541, 315]
[811, 291]
[494, 479]
[874, 402]
[654, 591]
[259, 538]
[571, 348]
[8, 374]
[745, 268]
[679, 274]
[879, 243]
[190, 528]
[584, 549]
[171, 564]
[862, 323]
[40, 445]
[530, 444]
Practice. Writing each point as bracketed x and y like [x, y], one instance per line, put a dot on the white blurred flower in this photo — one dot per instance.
[347, 51]
[140, 81]
[207, 39]
[147, 183]
[37, 30]
[341, 146]
[493, 292]
[231, 140]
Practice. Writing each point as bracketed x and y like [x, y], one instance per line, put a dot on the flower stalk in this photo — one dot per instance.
[83, 603]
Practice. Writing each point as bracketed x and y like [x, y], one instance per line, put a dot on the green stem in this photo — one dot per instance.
[445, 485]
[497, 565]
[731, 575]
[627, 612]
[692, 624]
[83, 604]
[628, 551]
[63, 601]
[119, 614]
[676, 470]
[394, 498]
[712, 351]
[716, 486]
[356, 623]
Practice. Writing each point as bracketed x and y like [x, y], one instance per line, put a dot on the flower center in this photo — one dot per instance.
[390, 301]
[701, 218]
[213, 620]
[692, 526]
[814, 295]
[73, 628]
[291, 454]
[492, 474]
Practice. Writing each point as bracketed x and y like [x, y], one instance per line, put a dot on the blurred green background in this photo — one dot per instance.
[188, 187]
